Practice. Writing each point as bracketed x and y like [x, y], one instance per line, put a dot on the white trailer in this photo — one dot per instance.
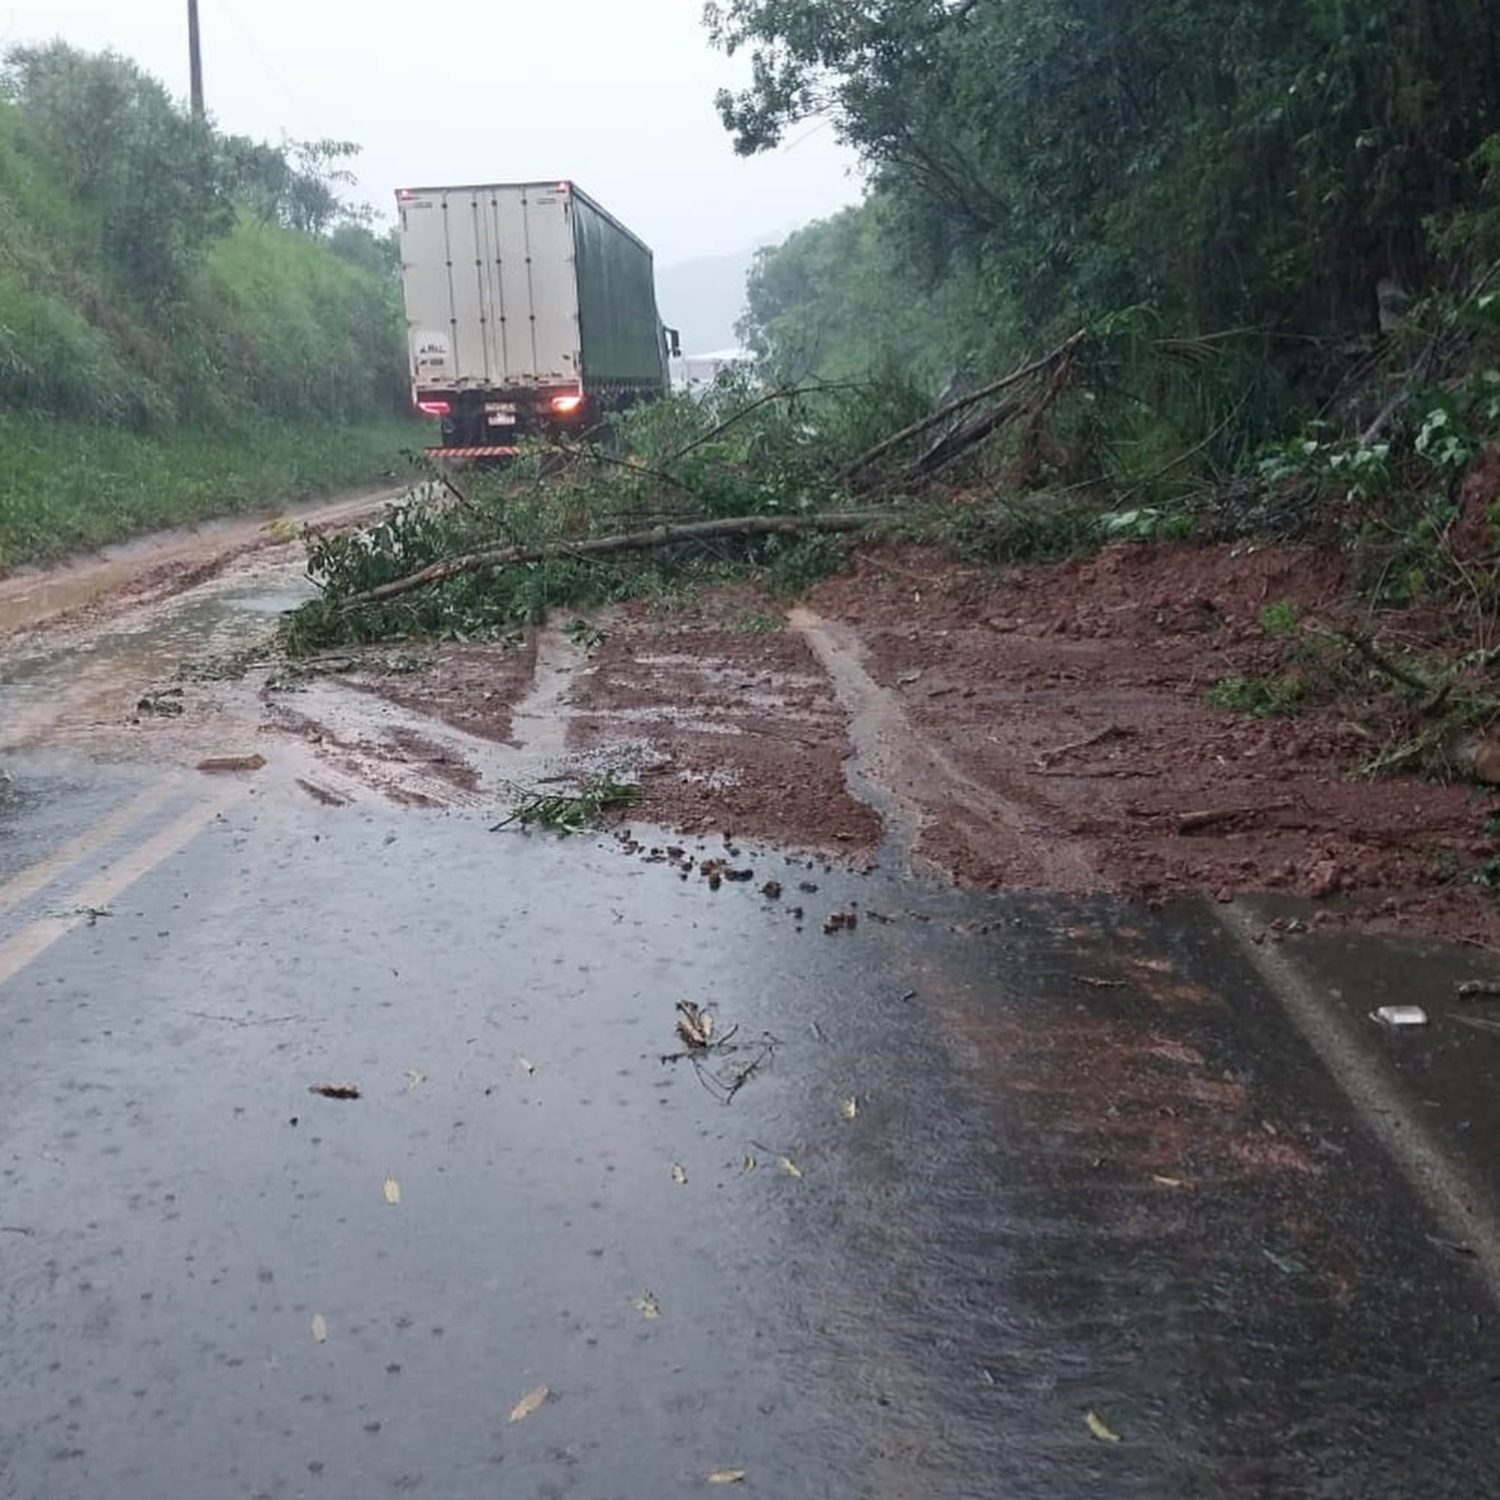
[527, 306]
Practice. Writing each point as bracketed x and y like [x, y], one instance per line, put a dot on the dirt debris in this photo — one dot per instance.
[730, 728]
[1058, 715]
[472, 687]
[1061, 724]
[224, 764]
[1043, 657]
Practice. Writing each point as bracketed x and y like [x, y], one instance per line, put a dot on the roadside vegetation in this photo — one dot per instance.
[189, 321]
[735, 453]
[1242, 264]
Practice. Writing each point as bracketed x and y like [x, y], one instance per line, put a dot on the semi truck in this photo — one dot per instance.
[529, 310]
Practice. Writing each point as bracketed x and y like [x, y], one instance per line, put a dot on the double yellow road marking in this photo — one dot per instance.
[112, 881]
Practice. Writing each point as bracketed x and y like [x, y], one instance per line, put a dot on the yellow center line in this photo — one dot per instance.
[26, 883]
[34, 939]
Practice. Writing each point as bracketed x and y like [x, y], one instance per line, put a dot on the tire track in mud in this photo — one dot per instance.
[916, 788]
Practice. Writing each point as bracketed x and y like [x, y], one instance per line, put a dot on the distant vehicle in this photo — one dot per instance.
[528, 309]
[697, 372]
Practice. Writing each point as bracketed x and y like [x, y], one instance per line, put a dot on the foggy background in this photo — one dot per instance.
[614, 94]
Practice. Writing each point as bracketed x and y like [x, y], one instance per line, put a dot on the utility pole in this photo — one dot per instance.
[195, 60]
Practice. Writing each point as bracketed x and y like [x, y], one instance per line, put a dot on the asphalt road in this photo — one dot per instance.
[1013, 1196]
[1093, 1167]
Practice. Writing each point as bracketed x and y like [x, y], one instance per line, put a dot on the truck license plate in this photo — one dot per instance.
[500, 414]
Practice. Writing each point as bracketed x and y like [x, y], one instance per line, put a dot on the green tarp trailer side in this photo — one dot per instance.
[619, 328]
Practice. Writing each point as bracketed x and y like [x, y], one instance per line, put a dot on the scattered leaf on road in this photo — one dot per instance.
[527, 1064]
[679, 1174]
[694, 1025]
[1101, 1429]
[1288, 1265]
[727, 1476]
[791, 1168]
[319, 1329]
[335, 1090]
[392, 1190]
[415, 1078]
[1171, 1182]
[849, 1108]
[647, 1306]
[532, 1401]
[748, 1164]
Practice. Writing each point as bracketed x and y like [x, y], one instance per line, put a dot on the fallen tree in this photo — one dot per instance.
[982, 428]
[630, 541]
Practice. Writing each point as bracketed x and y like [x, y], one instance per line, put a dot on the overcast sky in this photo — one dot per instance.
[615, 94]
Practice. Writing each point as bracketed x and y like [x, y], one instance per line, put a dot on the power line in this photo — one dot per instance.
[296, 100]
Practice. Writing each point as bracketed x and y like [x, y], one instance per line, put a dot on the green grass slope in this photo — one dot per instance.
[276, 370]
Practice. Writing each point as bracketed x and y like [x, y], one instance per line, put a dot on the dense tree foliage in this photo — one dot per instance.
[1227, 164]
[154, 270]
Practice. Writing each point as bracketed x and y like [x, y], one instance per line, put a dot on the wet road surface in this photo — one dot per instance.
[1145, 1201]
[1023, 1196]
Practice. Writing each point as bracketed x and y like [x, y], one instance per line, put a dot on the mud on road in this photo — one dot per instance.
[1043, 728]
[1040, 727]
[1065, 1192]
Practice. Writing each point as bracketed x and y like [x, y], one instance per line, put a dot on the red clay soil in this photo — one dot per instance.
[1077, 692]
[1041, 726]
[472, 687]
[733, 729]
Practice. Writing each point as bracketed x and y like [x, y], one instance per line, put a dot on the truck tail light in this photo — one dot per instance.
[434, 408]
[565, 406]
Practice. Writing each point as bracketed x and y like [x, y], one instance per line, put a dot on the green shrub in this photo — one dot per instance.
[1260, 697]
[1279, 617]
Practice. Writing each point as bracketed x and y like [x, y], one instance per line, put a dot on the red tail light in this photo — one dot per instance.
[565, 406]
[434, 408]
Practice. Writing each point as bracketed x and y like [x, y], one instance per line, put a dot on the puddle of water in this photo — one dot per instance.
[81, 689]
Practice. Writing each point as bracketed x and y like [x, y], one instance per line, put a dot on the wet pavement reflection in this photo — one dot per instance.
[1018, 1177]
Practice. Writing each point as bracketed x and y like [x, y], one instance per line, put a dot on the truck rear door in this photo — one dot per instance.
[491, 294]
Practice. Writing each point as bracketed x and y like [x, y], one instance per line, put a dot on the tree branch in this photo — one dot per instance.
[633, 541]
[944, 412]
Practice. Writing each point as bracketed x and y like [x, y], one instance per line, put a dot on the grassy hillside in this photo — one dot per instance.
[69, 485]
[188, 321]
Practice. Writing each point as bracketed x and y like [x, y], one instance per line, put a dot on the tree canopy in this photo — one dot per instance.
[1226, 164]
[163, 185]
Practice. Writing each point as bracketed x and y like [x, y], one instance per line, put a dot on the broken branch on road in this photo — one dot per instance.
[723, 1065]
[569, 812]
[1111, 732]
[933, 419]
[631, 541]
[1213, 817]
